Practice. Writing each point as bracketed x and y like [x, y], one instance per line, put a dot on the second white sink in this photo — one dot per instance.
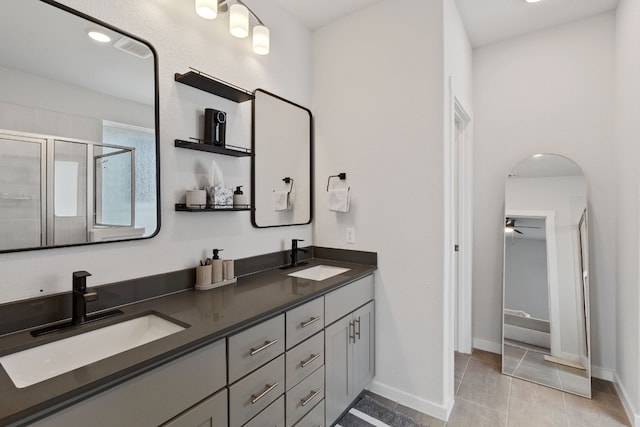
[319, 272]
[40, 363]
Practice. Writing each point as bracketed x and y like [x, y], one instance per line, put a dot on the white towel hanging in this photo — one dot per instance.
[281, 200]
[340, 199]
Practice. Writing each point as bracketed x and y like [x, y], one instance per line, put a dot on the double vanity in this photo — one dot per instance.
[281, 347]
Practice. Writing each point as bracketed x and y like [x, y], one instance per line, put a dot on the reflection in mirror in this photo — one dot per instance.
[78, 130]
[546, 307]
[281, 172]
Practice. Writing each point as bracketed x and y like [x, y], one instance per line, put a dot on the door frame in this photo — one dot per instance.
[462, 293]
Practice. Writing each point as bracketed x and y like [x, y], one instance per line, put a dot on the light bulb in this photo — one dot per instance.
[261, 40]
[207, 9]
[239, 21]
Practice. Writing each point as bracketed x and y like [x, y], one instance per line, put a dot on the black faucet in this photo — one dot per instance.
[294, 253]
[81, 295]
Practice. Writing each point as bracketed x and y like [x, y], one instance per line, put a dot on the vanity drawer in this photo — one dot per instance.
[211, 412]
[315, 417]
[273, 416]
[254, 347]
[255, 392]
[304, 359]
[343, 301]
[302, 398]
[304, 321]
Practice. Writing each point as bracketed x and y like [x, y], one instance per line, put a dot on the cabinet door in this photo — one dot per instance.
[338, 341]
[363, 349]
[211, 412]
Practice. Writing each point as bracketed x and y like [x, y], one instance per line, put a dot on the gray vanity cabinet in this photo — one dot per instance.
[349, 347]
[157, 396]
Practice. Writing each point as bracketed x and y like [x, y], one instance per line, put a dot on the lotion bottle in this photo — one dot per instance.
[216, 265]
[239, 198]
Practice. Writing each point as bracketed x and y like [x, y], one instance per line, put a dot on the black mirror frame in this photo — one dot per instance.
[253, 161]
[79, 14]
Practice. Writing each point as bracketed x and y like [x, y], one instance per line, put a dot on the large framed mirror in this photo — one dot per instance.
[79, 152]
[282, 168]
[546, 275]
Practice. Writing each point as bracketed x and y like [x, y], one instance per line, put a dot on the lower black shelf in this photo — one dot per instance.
[181, 207]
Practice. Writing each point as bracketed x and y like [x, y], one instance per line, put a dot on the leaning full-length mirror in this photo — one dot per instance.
[546, 289]
[282, 163]
[78, 130]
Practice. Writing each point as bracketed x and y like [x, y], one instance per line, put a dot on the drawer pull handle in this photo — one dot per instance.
[266, 345]
[313, 394]
[268, 388]
[309, 322]
[313, 357]
[352, 327]
[358, 331]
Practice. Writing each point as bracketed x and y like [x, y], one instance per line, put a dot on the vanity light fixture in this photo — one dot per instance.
[239, 17]
[98, 36]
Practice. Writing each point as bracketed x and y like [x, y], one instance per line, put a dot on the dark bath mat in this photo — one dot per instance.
[368, 412]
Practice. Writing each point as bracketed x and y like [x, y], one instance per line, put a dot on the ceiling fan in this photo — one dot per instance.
[510, 226]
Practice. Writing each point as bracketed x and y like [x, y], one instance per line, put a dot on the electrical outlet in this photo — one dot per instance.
[351, 235]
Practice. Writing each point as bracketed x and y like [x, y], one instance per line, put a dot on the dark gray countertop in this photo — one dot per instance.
[211, 315]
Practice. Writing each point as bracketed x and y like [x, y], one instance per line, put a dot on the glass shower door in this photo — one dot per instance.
[21, 188]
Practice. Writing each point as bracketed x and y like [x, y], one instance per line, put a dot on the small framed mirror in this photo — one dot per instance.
[79, 152]
[546, 275]
[282, 168]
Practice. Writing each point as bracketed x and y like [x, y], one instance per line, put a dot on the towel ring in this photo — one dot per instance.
[341, 175]
[288, 180]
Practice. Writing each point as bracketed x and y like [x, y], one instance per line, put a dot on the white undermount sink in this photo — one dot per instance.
[40, 363]
[319, 272]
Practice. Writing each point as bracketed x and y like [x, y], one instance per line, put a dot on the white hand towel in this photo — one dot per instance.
[339, 199]
[281, 201]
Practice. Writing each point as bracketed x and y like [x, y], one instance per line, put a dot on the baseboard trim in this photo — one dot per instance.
[441, 412]
[633, 416]
[602, 373]
[490, 346]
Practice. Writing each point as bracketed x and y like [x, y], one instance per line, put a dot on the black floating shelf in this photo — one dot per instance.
[239, 152]
[216, 87]
[181, 207]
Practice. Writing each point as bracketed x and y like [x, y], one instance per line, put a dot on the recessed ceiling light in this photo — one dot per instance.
[98, 36]
[533, 1]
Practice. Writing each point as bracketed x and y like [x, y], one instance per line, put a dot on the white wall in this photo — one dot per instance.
[526, 275]
[628, 211]
[458, 55]
[378, 92]
[548, 92]
[183, 40]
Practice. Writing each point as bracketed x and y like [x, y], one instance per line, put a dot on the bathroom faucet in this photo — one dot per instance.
[81, 295]
[294, 253]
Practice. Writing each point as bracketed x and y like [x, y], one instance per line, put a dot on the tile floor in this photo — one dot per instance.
[486, 398]
[531, 365]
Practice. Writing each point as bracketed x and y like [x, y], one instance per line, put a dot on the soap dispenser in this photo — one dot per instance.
[216, 265]
[239, 199]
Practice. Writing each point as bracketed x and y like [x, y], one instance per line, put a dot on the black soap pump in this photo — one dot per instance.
[216, 265]
[239, 199]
